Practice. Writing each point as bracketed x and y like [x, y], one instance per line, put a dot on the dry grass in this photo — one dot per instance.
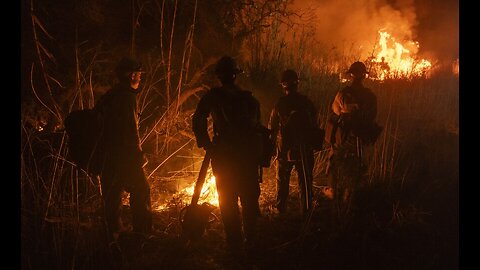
[409, 196]
[406, 208]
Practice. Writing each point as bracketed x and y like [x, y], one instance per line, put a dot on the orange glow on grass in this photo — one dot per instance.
[208, 194]
[209, 191]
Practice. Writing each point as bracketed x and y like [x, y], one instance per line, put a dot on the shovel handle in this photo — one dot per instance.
[201, 178]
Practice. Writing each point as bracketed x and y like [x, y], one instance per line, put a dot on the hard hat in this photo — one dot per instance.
[357, 68]
[128, 64]
[227, 65]
[289, 76]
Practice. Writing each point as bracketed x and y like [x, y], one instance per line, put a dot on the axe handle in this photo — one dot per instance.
[201, 178]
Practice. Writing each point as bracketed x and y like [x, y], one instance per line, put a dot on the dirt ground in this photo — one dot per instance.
[322, 241]
[377, 236]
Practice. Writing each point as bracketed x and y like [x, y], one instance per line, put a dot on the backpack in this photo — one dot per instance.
[357, 123]
[83, 128]
[298, 130]
[239, 118]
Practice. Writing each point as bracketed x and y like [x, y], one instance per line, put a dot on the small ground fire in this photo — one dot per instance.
[209, 193]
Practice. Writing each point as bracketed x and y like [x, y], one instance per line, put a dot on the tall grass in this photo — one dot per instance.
[410, 192]
[413, 167]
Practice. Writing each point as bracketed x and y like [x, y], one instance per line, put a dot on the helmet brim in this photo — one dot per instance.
[356, 72]
[230, 71]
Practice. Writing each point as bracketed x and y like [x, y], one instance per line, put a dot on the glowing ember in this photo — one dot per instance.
[396, 60]
[209, 193]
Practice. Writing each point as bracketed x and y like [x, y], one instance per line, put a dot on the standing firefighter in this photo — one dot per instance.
[350, 127]
[291, 121]
[122, 163]
[235, 151]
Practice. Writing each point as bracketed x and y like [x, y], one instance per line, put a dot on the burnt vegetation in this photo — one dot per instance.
[405, 215]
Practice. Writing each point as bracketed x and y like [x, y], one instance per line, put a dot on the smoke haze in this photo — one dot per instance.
[352, 26]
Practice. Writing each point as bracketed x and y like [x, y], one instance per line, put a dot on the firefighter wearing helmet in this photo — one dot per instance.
[122, 157]
[350, 127]
[233, 150]
[358, 69]
[292, 117]
[227, 66]
[289, 80]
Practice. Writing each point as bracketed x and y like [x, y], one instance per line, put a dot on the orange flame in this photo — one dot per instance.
[208, 194]
[395, 60]
[209, 191]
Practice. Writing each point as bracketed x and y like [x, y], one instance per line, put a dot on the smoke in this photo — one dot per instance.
[438, 28]
[351, 27]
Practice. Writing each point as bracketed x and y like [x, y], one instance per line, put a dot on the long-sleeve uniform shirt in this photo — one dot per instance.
[122, 169]
[120, 131]
[356, 99]
[235, 154]
[283, 109]
[354, 110]
[234, 112]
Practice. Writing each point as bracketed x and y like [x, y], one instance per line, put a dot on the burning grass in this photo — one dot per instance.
[397, 60]
[406, 210]
[406, 217]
